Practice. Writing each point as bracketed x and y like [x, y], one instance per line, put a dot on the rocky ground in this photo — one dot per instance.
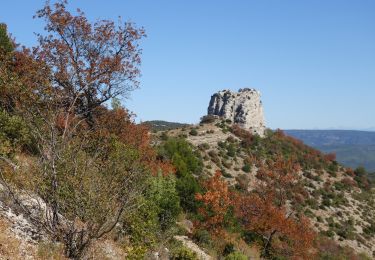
[344, 219]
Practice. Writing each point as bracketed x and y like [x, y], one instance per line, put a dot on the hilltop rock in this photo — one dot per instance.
[243, 108]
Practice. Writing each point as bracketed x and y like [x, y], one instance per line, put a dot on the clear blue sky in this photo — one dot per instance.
[313, 60]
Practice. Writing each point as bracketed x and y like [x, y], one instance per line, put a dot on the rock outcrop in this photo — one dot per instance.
[243, 108]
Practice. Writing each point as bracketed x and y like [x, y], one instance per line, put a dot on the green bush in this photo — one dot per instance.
[187, 187]
[361, 177]
[231, 150]
[141, 226]
[164, 136]
[228, 249]
[329, 233]
[181, 252]
[187, 163]
[225, 173]
[163, 192]
[204, 146]
[246, 168]
[14, 134]
[202, 237]
[236, 256]
[193, 132]
[160, 206]
[6, 43]
[369, 230]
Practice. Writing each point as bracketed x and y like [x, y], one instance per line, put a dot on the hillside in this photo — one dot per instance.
[352, 148]
[79, 179]
[336, 200]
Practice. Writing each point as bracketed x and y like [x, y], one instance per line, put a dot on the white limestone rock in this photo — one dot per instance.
[243, 108]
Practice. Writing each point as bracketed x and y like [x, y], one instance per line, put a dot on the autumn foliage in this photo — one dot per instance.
[90, 163]
[216, 202]
[266, 211]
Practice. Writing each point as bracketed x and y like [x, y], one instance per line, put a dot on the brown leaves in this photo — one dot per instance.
[118, 123]
[90, 63]
[216, 201]
[267, 210]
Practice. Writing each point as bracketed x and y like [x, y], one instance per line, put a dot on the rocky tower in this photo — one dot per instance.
[243, 108]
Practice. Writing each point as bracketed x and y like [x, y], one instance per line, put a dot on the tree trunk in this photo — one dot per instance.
[267, 246]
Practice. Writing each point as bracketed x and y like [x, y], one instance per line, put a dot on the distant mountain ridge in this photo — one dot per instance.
[353, 148]
[161, 125]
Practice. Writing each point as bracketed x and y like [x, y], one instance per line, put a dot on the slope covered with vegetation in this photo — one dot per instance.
[276, 192]
[80, 180]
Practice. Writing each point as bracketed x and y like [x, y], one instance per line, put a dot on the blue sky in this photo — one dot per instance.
[313, 60]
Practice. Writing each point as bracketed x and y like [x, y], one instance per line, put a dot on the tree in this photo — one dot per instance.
[267, 212]
[90, 63]
[187, 163]
[86, 170]
[162, 191]
[158, 210]
[216, 202]
[361, 178]
[6, 43]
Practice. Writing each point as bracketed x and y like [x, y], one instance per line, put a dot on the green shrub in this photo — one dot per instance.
[193, 132]
[182, 253]
[228, 249]
[187, 186]
[14, 134]
[202, 237]
[328, 233]
[369, 230]
[236, 256]
[204, 146]
[164, 136]
[361, 177]
[187, 163]
[231, 150]
[6, 43]
[162, 191]
[142, 225]
[158, 213]
[246, 168]
[225, 173]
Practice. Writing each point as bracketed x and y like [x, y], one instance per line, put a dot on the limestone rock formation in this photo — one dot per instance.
[243, 108]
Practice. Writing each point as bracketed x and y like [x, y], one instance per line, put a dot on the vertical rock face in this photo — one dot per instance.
[243, 108]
